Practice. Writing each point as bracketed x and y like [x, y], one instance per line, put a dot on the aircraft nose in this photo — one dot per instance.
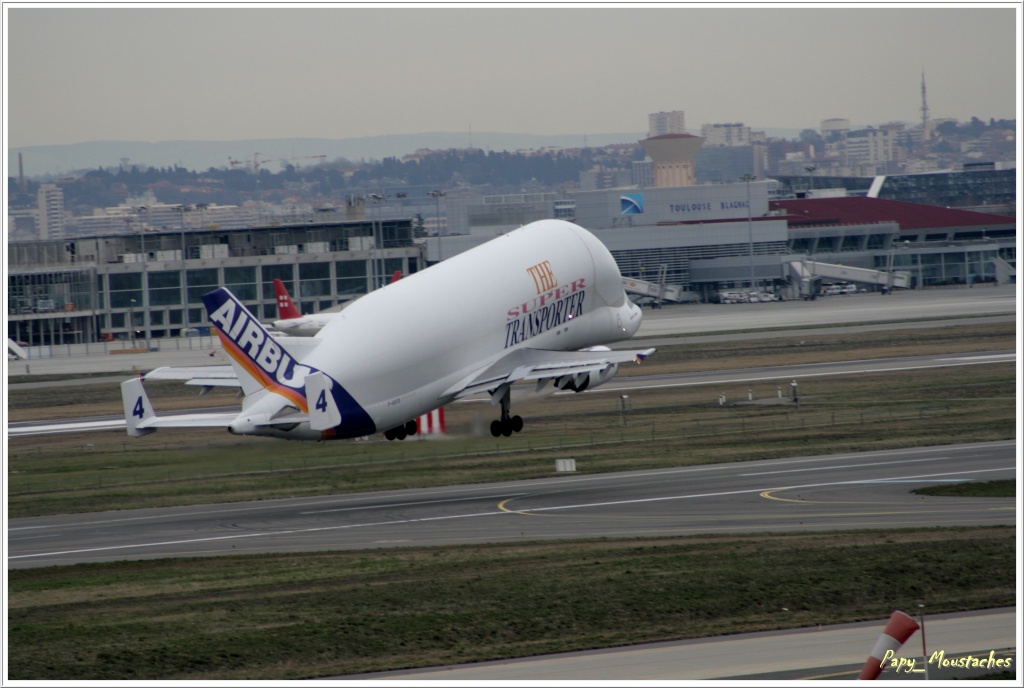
[630, 318]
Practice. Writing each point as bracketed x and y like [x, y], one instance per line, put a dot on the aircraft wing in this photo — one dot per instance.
[542, 365]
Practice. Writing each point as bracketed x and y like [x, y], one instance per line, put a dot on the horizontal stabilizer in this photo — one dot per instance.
[206, 384]
[141, 419]
[191, 420]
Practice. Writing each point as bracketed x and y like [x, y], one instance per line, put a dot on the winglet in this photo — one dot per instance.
[137, 409]
[324, 413]
[642, 355]
[286, 309]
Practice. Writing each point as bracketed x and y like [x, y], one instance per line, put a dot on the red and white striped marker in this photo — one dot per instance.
[431, 423]
[897, 631]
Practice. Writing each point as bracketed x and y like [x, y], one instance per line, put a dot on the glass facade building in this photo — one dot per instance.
[109, 287]
[976, 187]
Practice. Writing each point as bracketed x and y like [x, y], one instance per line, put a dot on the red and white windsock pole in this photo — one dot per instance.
[897, 631]
[431, 423]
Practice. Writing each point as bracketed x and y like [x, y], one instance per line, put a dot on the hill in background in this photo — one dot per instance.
[202, 155]
[57, 160]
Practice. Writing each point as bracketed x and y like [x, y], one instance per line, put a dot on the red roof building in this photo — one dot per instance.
[862, 210]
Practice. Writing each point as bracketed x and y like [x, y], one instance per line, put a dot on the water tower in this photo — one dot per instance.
[673, 156]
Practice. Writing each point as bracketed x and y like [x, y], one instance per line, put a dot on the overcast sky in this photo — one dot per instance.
[161, 73]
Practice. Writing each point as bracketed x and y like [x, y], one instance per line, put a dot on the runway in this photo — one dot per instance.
[835, 492]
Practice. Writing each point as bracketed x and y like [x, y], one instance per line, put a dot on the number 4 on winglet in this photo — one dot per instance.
[324, 413]
[137, 409]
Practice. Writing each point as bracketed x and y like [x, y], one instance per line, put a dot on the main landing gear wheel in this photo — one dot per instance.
[507, 424]
[402, 431]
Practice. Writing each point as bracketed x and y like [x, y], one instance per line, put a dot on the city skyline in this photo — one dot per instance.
[161, 73]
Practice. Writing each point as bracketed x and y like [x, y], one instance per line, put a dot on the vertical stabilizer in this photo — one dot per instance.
[286, 309]
[259, 360]
[265, 366]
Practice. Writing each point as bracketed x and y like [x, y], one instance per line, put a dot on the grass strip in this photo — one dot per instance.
[670, 427]
[305, 615]
[38, 404]
[992, 488]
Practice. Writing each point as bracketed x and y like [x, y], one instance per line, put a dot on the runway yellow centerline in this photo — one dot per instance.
[502, 507]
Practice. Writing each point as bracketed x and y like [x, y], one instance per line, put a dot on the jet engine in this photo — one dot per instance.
[582, 381]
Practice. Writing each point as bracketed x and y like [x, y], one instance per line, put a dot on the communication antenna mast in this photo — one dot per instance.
[924, 108]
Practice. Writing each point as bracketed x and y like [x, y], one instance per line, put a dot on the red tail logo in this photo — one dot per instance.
[286, 310]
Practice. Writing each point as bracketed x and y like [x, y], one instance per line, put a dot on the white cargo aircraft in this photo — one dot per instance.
[534, 305]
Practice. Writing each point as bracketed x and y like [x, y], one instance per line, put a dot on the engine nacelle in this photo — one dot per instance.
[582, 381]
[604, 375]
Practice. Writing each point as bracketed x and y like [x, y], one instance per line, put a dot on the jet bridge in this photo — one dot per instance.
[809, 273]
[661, 292]
[1004, 271]
[14, 349]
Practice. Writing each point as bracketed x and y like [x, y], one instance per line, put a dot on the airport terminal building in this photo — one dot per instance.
[704, 239]
[716, 237]
[149, 286]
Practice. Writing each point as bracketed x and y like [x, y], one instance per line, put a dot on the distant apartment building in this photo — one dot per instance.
[661, 123]
[726, 135]
[834, 128]
[592, 180]
[50, 219]
[869, 146]
[170, 217]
